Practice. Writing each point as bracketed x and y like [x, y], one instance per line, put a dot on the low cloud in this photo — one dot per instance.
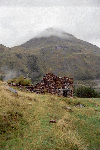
[20, 24]
[54, 32]
[9, 74]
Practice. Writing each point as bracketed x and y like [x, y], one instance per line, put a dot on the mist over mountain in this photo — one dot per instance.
[60, 37]
[54, 32]
[54, 51]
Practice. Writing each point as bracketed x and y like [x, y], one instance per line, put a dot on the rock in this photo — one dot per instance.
[29, 104]
[69, 108]
[80, 105]
[52, 121]
[66, 107]
[12, 90]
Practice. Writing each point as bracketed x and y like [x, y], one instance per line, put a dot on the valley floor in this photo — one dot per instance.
[45, 122]
[95, 84]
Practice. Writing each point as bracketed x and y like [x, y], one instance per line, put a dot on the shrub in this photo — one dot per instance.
[10, 81]
[13, 80]
[20, 81]
[26, 82]
[2, 77]
[86, 92]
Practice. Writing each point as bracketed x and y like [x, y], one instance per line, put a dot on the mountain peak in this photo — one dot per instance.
[55, 32]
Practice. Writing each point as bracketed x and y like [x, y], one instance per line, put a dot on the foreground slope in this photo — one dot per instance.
[25, 117]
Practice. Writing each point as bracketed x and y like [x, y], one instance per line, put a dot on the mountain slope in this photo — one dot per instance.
[65, 56]
[52, 51]
[61, 40]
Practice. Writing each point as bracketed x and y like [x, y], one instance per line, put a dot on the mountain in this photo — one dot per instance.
[54, 51]
[59, 38]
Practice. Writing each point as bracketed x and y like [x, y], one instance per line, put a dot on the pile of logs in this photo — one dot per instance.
[55, 85]
[52, 84]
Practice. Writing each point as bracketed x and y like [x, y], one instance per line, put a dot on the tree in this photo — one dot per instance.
[86, 92]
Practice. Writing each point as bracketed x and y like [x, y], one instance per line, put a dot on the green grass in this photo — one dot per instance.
[88, 126]
[24, 122]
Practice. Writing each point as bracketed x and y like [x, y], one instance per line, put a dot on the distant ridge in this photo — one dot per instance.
[54, 51]
[59, 37]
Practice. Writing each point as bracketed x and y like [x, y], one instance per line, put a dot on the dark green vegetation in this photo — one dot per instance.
[24, 122]
[18, 62]
[86, 92]
[20, 81]
[64, 57]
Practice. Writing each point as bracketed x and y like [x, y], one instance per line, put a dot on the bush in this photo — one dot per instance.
[20, 81]
[23, 81]
[2, 77]
[13, 80]
[86, 92]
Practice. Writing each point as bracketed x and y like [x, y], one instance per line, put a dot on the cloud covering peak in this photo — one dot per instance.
[20, 22]
[54, 32]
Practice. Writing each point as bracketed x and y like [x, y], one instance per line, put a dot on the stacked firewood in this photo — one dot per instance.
[55, 85]
[52, 84]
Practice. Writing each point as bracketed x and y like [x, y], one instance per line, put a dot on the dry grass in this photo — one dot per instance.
[32, 129]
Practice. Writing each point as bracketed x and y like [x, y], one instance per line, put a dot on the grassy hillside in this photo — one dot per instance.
[66, 57]
[19, 61]
[62, 56]
[25, 122]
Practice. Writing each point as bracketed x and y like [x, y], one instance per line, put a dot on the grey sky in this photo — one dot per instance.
[41, 3]
[19, 22]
